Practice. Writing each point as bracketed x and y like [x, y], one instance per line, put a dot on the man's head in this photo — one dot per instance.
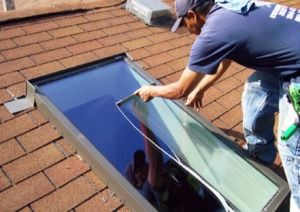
[186, 8]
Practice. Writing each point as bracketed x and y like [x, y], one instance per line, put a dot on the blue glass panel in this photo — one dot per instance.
[88, 99]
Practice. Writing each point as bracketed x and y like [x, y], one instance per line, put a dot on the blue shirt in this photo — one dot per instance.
[267, 38]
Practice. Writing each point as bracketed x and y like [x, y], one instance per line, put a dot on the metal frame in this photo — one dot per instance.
[102, 166]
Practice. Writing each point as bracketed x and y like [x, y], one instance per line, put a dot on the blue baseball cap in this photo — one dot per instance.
[182, 7]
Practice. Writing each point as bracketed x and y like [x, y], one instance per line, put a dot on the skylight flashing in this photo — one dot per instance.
[23, 103]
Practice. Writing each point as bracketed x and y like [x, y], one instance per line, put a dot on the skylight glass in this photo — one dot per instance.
[88, 100]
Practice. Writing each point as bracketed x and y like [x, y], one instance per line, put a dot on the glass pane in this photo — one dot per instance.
[89, 99]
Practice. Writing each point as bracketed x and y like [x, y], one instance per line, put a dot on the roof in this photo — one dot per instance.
[39, 170]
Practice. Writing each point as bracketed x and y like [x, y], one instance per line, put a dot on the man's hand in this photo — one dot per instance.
[194, 100]
[144, 92]
[195, 97]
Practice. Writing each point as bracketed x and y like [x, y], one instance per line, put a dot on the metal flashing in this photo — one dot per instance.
[23, 103]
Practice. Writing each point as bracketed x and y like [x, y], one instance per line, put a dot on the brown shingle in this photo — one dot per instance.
[96, 25]
[157, 38]
[105, 201]
[99, 16]
[159, 47]
[230, 100]
[15, 127]
[32, 39]
[50, 56]
[61, 200]
[229, 72]
[22, 51]
[11, 78]
[58, 43]
[5, 114]
[135, 44]
[65, 147]
[63, 32]
[78, 59]
[66, 170]
[181, 41]
[7, 44]
[113, 40]
[4, 96]
[139, 54]
[121, 20]
[10, 150]
[94, 179]
[221, 125]
[118, 12]
[243, 75]
[233, 116]
[211, 95]
[25, 192]
[137, 25]
[178, 64]
[228, 84]
[180, 52]
[236, 134]
[84, 47]
[15, 65]
[117, 29]
[213, 111]
[109, 51]
[71, 21]
[87, 36]
[2, 59]
[4, 181]
[40, 27]
[42, 69]
[37, 117]
[33, 163]
[139, 33]
[161, 71]
[17, 90]
[174, 76]
[158, 59]
[11, 33]
[38, 137]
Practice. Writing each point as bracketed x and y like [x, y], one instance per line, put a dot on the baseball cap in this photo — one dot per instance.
[182, 7]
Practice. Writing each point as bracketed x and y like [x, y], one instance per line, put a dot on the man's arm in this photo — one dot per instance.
[194, 99]
[187, 82]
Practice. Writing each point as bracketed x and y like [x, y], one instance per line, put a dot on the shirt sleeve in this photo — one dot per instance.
[207, 53]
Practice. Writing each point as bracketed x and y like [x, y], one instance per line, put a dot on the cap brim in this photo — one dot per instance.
[176, 24]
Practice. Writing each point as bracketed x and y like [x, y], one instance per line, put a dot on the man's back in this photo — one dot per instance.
[265, 39]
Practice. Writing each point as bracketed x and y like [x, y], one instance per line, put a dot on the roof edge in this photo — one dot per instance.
[56, 9]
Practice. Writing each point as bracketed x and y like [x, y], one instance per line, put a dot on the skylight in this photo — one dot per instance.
[82, 103]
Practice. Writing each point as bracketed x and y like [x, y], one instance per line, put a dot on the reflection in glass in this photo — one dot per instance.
[168, 187]
[88, 100]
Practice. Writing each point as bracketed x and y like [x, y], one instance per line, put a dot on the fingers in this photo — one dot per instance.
[144, 92]
[196, 104]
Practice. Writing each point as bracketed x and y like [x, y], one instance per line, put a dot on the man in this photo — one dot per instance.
[259, 35]
[136, 171]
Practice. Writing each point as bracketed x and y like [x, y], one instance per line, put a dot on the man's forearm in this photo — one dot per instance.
[187, 82]
[208, 80]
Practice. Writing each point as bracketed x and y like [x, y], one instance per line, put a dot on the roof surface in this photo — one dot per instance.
[38, 169]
